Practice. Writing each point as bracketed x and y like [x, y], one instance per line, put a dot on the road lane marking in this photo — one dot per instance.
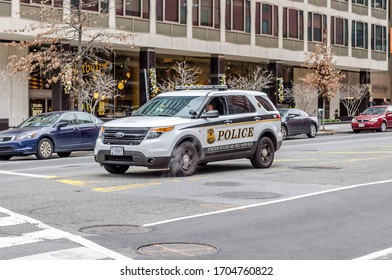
[79, 253]
[73, 182]
[10, 221]
[48, 232]
[126, 187]
[376, 255]
[240, 208]
[54, 166]
[26, 174]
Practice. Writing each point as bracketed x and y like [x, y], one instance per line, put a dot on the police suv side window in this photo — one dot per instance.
[265, 103]
[240, 104]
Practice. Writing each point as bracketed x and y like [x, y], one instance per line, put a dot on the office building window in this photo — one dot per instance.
[360, 2]
[339, 31]
[54, 3]
[172, 10]
[206, 13]
[133, 8]
[238, 15]
[317, 23]
[266, 19]
[379, 4]
[379, 37]
[293, 24]
[359, 34]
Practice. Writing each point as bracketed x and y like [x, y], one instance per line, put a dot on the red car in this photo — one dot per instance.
[373, 118]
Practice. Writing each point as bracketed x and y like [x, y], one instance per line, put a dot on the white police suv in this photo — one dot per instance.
[192, 126]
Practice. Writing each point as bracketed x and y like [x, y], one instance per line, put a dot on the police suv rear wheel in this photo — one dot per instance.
[116, 169]
[264, 155]
[184, 161]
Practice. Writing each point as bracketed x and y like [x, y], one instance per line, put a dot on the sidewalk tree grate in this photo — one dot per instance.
[250, 195]
[224, 184]
[115, 229]
[176, 250]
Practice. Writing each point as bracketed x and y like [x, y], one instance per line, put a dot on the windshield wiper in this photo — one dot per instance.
[165, 115]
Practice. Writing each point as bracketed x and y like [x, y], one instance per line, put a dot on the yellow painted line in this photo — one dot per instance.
[365, 159]
[126, 187]
[294, 160]
[173, 181]
[73, 183]
[195, 178]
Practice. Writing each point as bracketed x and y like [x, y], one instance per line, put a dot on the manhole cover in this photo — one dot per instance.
[250, 195]
[223, 184]
[176, 249]
[115, 229]
[313, 168]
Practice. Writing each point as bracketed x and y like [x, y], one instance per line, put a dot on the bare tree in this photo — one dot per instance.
[303, 95]
[324, 77]
[64, 43]
[98, 87]
[351, 96]
[184, 74]
[257, 79]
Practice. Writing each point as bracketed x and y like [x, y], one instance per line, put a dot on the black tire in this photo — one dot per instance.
[116, 169]
[383, 127]
[312, 131]
[64, 154]
[184, 160]
[284, 131]
[264, 155]
[5, 157]
[44, 149]
[356, 131]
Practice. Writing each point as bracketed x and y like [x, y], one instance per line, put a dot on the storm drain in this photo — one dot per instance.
[250, 195]
[176, 249]
[223, 184]
[316, 168]
[115, 229]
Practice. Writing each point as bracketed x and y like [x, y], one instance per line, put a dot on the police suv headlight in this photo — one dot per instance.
[101, 132]
[26, 135]
[155, 132]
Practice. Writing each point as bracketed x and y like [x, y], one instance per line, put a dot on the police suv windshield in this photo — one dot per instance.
[171, 106]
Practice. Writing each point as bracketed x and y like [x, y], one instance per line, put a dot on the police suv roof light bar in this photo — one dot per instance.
[216, 87]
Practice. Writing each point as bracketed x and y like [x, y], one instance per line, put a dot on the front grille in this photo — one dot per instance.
[4, 149]
[5, 139]
[124, 135]
[363, 120]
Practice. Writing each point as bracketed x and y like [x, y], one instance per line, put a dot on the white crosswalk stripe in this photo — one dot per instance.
[84, 249]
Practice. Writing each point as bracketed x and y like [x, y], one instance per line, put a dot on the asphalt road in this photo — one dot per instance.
[323, 198]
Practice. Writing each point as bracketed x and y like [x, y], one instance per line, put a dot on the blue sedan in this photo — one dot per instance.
[42, 135]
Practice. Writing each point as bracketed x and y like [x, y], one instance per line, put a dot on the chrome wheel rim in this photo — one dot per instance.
[45, 149]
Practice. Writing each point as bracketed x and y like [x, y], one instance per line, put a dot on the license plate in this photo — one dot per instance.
[116, 151]
[361, 125]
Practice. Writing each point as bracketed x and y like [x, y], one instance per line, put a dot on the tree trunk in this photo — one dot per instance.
[323, 121]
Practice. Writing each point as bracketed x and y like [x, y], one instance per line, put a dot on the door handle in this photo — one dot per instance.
[228, 121]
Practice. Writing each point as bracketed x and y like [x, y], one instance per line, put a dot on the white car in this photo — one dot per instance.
[175, 130]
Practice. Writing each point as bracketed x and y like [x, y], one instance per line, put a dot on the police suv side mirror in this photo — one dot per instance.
[210, 114]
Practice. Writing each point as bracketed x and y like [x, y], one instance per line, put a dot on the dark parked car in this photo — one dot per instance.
[42, 135]
[373, 118]
[296, 121]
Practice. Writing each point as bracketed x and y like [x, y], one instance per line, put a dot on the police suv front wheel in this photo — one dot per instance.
[116, 169]
[264, 155]
[184, 161]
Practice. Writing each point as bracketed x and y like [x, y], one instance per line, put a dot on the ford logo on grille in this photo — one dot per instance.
[119, 134]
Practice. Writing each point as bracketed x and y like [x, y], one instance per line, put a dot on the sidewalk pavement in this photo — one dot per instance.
[330, 129]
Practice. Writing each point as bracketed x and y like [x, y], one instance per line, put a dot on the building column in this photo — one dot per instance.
[276, 68]
[60, 100]
[146, 61]
[217, 66]
[364, 79]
